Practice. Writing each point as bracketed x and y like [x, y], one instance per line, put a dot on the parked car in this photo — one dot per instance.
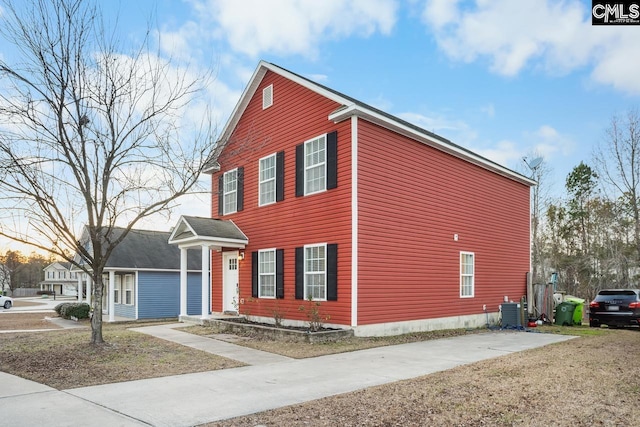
[6, 302]
[615, 308]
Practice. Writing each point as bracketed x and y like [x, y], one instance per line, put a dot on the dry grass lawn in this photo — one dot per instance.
[64, 359]
[18, 321]
[592, 380]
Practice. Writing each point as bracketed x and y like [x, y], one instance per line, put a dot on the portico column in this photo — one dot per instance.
[79, 287]
[183, 281]
[89, 282]
[206, 256]
[112, 294]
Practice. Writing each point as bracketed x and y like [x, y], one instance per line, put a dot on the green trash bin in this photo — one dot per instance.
[564, 314]
[579, 309]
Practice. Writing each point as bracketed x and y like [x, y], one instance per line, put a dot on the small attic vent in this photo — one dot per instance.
[267, 97]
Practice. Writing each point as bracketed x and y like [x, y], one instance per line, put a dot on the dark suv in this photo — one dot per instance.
[615, 308]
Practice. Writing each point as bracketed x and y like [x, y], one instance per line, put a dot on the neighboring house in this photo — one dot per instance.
[390, 227]
[59, 278]
[142, 277]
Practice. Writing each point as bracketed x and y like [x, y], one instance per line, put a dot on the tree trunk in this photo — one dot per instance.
[96, 319]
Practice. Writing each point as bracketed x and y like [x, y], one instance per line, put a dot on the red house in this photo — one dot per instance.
[392, 228]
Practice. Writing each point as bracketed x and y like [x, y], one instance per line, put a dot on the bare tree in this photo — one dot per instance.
[539, 171]
[91, 133]
[618, 162]
[12, 264]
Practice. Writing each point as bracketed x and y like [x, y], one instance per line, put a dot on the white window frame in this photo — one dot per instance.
[268, 274]
[320, 165]
[129, 289]
[467, 279]
[310, 273]
[264, 182]
[267, 97]
[117, 289]
[229, 208]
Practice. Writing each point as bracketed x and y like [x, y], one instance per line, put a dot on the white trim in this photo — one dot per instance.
[473, 274]
[354, 221]
[402, 129]
[323, 163]
[274, 179]
[351, 108]
[225, 193]
[183, 280]
[267, 97]
[326, 260]
[195, 241]
[123, 299]
[227, 255]
[275, 273]
[136, 294]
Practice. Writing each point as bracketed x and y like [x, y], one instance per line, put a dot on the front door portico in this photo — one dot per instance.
[209, 234]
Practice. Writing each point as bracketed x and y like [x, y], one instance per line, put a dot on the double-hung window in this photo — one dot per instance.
[267, 184]
[467, 267]
[117, 289]
[267, 273]
[315, 272]
[230, 191]
[315, 165]
[128, 289]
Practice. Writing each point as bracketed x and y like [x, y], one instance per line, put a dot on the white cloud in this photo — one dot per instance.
[179, 44]
[456, 131]
[548, 142]
[555, 36]
[504, 152]
[289, 27]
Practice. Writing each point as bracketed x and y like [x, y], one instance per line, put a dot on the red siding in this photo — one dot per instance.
[412, 200]
[297, 115]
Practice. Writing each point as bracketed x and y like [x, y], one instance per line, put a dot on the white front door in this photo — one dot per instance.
[230, 288]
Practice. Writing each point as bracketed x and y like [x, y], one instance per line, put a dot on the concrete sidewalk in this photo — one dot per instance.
[192, 399]
[246, 355]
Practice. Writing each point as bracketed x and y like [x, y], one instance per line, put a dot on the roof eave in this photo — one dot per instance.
[194, 241]
[251, 88]
[348, 111]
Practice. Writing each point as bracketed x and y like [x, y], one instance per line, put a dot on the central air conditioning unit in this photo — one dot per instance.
[511, 315]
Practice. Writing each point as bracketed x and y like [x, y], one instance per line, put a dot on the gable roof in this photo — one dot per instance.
[148, 250]
[58, 265]
[194, 231]
[352, 107]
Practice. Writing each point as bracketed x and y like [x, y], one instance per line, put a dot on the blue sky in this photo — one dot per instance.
[503, 78]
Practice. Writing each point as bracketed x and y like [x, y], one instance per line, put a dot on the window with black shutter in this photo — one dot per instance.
[317, 164]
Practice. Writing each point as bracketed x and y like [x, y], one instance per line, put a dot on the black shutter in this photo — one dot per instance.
[221, 195]
[300, 170]
[280, 176]
[332, 272]
[240, 189]
[332, 160]
[299, 273]
[254, 274]
[280, 273]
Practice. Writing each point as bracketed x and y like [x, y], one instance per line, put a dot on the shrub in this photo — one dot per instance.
[314, 318]
[62, 308]
[68, 310]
